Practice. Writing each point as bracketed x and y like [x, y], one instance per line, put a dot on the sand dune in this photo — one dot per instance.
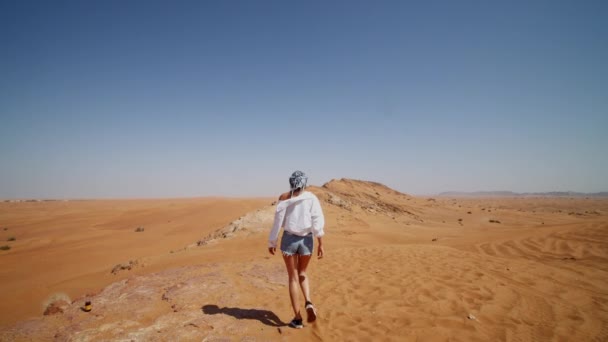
[397, 267]
[72, 246]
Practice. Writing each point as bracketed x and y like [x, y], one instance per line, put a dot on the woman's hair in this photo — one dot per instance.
[297, 181]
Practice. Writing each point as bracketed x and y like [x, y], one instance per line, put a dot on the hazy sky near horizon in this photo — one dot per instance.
[199, 98]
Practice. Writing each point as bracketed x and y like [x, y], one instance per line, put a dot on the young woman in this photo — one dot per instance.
[299, 213]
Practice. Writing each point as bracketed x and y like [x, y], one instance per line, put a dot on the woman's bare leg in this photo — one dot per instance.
[292, 272]
[303, 261]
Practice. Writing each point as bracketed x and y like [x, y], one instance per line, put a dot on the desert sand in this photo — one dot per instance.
[396, 267]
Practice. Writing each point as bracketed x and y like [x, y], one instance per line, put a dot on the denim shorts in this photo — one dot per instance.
[293, 244]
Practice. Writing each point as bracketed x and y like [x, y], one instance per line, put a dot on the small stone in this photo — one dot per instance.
[471, 317]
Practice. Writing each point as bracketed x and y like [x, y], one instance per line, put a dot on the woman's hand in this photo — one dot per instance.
[320, 250]
[271, 250]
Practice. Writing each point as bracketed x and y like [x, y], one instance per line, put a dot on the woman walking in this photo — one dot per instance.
[299, 213]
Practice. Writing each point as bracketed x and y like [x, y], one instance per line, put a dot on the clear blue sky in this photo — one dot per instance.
[198, 98]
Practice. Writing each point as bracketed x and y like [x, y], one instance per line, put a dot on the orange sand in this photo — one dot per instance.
[72, 246]
[396, 267]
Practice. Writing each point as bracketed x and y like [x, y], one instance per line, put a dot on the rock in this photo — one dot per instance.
[139, 229]
[251, 222]
[56, 307]
[471, 317]
[121, 267]
[337, 201]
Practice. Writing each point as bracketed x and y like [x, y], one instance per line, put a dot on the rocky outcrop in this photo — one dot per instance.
[345, 194]
[254, 221]
[369, 197]
[185, 304]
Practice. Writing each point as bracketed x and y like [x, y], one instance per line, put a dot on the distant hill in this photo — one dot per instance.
[523, 194]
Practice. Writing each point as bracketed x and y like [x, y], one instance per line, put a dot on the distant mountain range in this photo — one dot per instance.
[523, 194]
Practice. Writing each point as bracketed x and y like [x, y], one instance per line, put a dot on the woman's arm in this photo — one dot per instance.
[279, 216]
[317, 218]
[320, 250]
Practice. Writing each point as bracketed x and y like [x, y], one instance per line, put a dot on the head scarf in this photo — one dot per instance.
[297, 181]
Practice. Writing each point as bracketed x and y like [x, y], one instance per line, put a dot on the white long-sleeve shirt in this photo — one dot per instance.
[300, 215]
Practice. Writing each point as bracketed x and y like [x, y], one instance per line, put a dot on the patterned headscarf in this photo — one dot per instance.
[297, 180]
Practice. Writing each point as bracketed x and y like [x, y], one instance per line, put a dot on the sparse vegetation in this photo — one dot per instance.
[56, 303]
[468, 212]
[12, 238]
[139, 229]
[5, 248]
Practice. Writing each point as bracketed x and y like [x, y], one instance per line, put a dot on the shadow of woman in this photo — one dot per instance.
[265, 316]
